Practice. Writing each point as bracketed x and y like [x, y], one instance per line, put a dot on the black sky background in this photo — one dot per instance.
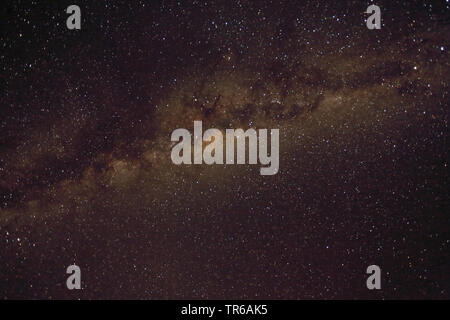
[85, 130]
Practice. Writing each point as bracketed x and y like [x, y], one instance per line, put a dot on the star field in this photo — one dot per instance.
[86, 176]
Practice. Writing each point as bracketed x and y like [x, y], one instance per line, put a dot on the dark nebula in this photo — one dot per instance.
[86, 176]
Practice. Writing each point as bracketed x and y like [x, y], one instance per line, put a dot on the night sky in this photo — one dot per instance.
[86, 176]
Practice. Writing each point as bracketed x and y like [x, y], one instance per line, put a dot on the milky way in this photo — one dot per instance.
[86, 176]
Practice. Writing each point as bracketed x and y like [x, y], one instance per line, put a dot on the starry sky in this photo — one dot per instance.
[86, 176]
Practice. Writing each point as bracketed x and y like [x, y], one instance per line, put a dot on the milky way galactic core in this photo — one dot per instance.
[349, 177]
